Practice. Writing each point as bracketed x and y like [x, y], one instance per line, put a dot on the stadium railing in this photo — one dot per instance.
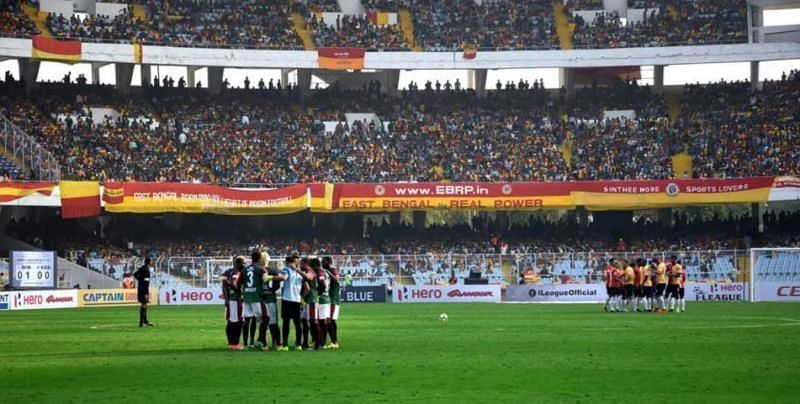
[27, 151]
[504, 269]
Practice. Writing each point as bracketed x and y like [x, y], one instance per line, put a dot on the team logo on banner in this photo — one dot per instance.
[507, 189]
[672, 189]
[379, 190]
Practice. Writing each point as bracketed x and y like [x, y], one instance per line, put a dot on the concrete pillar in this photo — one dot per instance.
[582, 216]
[478, 80]
[419, 219]
[392, 81]
[758, 220]
[215, 79]
[665, 217]
[28, 71]
[754, 83]
[303, 80]
[568, 80]
[96, 72]
[147, 78]
[285, 77]
[502, 220]
[123, 73]
[394, 218]
[658, 79]
[190, 82]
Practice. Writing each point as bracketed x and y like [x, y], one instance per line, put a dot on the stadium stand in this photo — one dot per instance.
[421, 135]
[674, 22]
[357, 31]
[495, 25]
[13, 22]
[440, 24]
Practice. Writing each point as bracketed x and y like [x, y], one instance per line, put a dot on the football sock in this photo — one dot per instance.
[246, 330]
[253, 326]
[275, 332]
[315, 333]
[229, 332]
[304, 326]
[286, 330]
[141, 316]
[683, 305]
[332, 331]
[671, 303]
[323, 333]
[262, 330]
[297, 333]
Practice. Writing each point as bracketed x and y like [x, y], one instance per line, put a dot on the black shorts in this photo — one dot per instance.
[647, 291]
[629, 291]
[609, 291]
[681, 292]
[290, 310]
[672, 291]
[143, 297]
[660, 289]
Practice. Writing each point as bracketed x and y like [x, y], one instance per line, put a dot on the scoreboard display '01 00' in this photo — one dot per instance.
[33, 269]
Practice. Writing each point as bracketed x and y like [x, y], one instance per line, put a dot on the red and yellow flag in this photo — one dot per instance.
[11, 191]
[55, 49]
[80, 199]
[470, 52]
[341, 58]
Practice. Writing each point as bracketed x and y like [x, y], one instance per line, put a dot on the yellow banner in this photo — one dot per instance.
[113, 297]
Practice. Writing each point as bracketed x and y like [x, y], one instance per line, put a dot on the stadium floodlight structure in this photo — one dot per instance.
[774, 274]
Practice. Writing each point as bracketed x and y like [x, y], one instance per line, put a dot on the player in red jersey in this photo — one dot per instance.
[637, 283]
[608, 274]
[682, 291]
[617, 275]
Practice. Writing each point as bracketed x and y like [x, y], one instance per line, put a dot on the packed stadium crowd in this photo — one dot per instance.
[421, 135]
[672, 22]
[13, 21]
[352, 30]
[438, 25]
[495, 25]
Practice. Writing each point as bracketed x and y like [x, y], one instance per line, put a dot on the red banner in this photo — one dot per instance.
[341, 58]
[149, 197]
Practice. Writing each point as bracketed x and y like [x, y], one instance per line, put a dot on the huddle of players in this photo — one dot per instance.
[639, 286]
[310, 298]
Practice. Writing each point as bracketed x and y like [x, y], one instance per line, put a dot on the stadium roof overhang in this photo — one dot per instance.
[252, 58]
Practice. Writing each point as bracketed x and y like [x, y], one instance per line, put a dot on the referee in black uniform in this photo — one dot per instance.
[142, 276]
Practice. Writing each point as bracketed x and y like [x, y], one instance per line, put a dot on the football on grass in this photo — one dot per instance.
[443, 317]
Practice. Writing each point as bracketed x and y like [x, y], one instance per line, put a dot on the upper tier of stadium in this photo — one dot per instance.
[333, 135]
[429, 25]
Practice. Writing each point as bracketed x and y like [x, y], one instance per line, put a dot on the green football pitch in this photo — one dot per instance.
[715, 352]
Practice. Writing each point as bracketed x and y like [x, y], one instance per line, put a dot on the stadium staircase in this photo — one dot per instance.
[563, 27]
[302, 30]
[407, 25]
[139, 12]
[566, 148]
[682, 165]
[673, 101]
[38, 19]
